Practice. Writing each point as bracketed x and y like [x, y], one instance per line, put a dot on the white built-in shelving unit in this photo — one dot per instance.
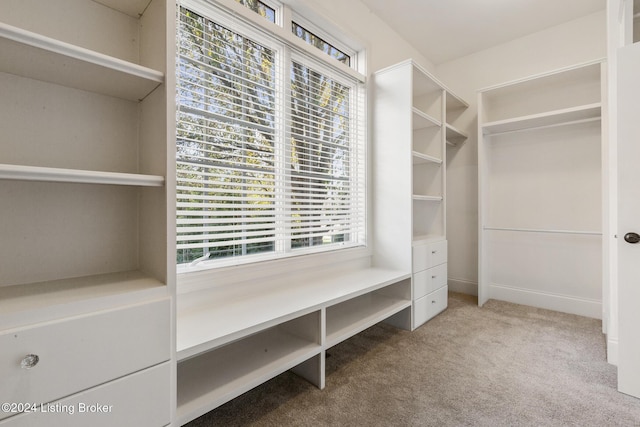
[413, 123]
[540, 190]
[87, 276]
[230, 340]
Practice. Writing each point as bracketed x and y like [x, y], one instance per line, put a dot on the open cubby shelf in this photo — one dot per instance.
[209, 380]
[228, 345]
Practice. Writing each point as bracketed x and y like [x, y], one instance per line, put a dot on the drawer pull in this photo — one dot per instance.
[433, 277]
[434, 252]
[29, 361]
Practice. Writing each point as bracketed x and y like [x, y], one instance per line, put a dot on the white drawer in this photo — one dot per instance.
[429, 280]
[428, 306]
[438, 253]
[142, 399]
[81, 352]
[429, 255]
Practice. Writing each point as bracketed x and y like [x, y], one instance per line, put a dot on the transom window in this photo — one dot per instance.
[262, 9]
[319, 43]
[270, 148]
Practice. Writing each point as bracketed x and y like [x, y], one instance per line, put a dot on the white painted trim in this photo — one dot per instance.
[557, 302]
[281, 33]
[463, 286]
[612, 351]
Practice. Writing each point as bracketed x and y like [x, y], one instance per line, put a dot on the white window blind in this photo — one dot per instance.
[270, 162]
[325, 201]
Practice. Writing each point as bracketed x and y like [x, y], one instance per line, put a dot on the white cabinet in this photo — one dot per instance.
[140, 399]
[413, 125]
[77, 353]
[429, 280]
[540, 191]
[87, 266]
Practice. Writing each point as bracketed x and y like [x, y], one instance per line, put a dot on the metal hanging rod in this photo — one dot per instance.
[531, 230]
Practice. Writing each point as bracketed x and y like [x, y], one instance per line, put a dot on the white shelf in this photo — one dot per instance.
[37, 173]
[427, 198]
[427, 238]
[353, 316]
[209, 380]
[454, 102]
[38, 57]
[422, 120]
[209, 319]
[35, 302]
[455, 136]
[548, 119]
[419, 158]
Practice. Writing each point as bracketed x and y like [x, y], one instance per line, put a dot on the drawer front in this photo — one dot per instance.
[429, 255]
[81, 352]
[142, 399]
[429, 306]
[438, 253]
[421, 258]
[429, 280]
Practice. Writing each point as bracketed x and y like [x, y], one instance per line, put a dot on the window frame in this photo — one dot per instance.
[326, 37]
[281, 37]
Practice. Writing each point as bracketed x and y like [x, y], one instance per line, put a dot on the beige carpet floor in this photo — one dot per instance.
[500, 365]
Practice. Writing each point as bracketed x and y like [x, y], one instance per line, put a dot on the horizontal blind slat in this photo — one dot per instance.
[245, 179]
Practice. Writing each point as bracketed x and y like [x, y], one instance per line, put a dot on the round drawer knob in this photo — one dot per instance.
[29, 361]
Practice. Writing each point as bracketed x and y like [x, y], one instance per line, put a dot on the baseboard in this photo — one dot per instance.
[563, 303]
[463, 286]
[612, 351]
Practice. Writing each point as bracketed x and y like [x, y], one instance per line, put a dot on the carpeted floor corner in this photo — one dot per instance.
[499, 365]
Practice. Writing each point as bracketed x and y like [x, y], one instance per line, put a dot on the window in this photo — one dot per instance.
[270, 152]
[319, 43]
[260, 8]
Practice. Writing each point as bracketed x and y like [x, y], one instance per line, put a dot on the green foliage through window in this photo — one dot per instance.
[317, 42]
[260, 170]
[260, 8]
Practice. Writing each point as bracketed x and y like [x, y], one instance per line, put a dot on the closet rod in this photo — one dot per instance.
[530, 230]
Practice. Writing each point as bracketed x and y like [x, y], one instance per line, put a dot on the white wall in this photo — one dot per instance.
[352, 18]
[575, 42]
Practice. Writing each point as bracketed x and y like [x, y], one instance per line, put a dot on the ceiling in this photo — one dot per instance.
[443, 30]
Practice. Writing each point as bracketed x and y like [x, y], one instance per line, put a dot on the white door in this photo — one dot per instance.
[629, 219]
